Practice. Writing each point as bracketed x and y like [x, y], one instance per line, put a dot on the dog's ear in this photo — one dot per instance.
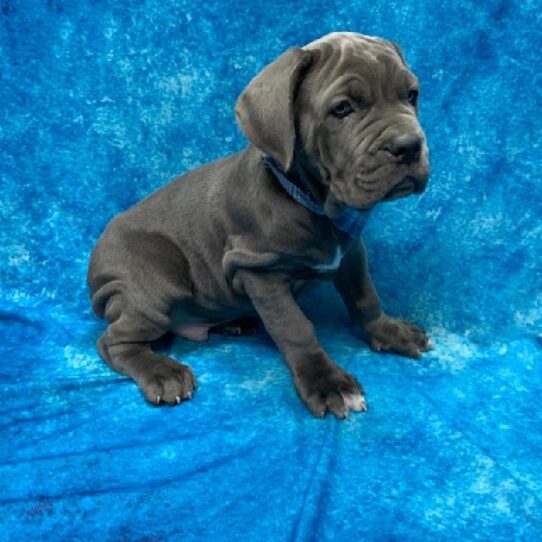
[265, 109]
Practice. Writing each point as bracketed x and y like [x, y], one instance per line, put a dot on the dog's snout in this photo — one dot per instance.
[406, 147]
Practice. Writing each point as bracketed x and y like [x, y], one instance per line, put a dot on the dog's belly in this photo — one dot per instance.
[193, 332]
[192, 320]
[212, 303]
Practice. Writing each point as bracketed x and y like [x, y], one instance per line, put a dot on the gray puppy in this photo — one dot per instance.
[334, 131]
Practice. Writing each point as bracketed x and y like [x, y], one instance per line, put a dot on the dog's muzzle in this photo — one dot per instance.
[409, 185]
[405, 149]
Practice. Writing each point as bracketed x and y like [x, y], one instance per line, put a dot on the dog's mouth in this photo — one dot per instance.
[409, 185]
[413, 183]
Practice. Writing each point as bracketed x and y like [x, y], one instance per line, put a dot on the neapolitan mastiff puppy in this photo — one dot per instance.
[333, 131]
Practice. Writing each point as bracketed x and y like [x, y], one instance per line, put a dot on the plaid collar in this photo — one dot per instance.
[351, 221]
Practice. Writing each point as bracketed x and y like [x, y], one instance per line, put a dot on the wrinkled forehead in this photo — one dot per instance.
[356, 64]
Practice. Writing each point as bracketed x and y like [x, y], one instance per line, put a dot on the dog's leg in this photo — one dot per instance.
[125, 347]
[321, 383]
[381, 331]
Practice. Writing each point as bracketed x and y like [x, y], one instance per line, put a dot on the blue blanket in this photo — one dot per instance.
[103, 103]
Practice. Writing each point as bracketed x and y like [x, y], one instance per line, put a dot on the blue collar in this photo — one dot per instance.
[350, 221]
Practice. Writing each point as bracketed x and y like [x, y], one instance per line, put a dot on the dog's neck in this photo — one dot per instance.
[298, 183]
[306, 174]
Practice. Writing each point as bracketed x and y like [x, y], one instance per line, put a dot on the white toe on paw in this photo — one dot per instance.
[355, 402]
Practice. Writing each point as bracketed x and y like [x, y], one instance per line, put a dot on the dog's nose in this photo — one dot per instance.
[407, 147]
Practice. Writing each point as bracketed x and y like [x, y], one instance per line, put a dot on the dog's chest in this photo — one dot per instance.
[323, 264]
[323, 268]
[331, 263]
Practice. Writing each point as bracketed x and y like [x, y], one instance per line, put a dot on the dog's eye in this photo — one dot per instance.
[342, 109]
[413, 97]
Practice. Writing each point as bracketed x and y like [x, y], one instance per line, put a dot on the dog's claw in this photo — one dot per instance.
[158, 399]
[178, 399]
[356, 402]
[362, 405]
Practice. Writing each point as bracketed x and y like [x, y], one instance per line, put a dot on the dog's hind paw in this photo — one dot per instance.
[167, 382]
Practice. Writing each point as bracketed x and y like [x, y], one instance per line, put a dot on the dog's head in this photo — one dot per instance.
[346, 108]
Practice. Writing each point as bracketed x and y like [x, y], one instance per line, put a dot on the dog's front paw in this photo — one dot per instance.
[394, 335]
[167, 382]
[325, 387]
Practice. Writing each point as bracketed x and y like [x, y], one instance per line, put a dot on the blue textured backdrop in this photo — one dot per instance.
[102, 103]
